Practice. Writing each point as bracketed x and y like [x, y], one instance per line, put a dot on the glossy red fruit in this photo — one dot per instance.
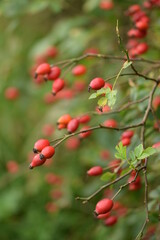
[126, 141]
[73, 125]
[103, 206]
[110, 221]
[103, 216]
[110, 123]
[40, 144]
[108, 85]
[57, 85]
[51, 52]
[79, 70]
[95, 171]
[127, 134]
[136, 33]
[142, 25]
[72, 143]
[42, 69]
[12, 166]
[133, 9]
[54, 74]
[36, 161]
[84, 119]
[61, 126]
[64, 119]
[106, 4]
[141, 48]
[86, 132]
[96, 84]
[156, 145]
[11, 93]
[47, 152]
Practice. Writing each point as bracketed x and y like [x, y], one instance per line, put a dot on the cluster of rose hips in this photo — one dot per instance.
[114, 165]
[72, 124]
[104, 208]
[141, 22]
[151, 3]
[43, 152]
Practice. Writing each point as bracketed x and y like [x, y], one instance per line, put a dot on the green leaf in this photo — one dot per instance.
[102, 101]
[108, 176]
[111, 97]
[138, 150]
[121, 152]
[102, 91]
[132, 156]
[93, 95]
[127, 64]
[147, 152]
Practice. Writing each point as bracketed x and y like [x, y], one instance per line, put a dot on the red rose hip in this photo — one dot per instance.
[42, 69]
[96, 84]
[110, 221]
[37, 161]
[47, 152]
[79, 70]
[95, 171]
[72, 125]
[54, 74]
[103, 206]
[40, 144]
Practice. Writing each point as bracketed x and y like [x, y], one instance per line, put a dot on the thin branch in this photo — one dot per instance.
[59, 141]
[126, 184]
[86, 199]
[109, 57]
[141, 75]
[124, 107]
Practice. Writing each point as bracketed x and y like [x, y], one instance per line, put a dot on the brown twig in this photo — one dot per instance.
[86, 199]
[108, 57]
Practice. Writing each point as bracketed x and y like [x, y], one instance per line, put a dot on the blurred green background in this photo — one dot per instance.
[28, 28]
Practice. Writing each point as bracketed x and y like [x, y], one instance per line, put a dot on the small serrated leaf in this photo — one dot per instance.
[121, 152]
[138, 150]
[147, 152]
